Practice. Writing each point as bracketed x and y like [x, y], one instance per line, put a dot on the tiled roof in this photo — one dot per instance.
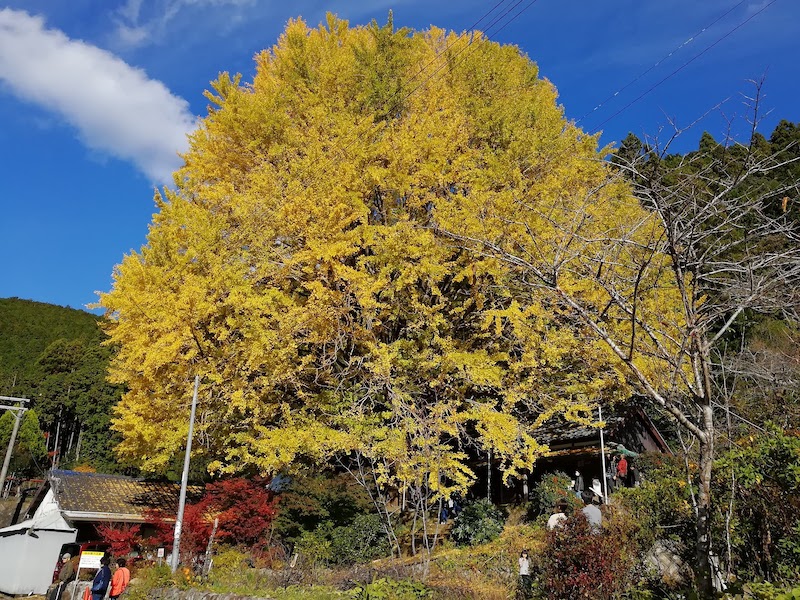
[114, 497]
[558, 430]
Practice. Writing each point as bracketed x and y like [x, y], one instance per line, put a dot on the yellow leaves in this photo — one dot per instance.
[298, 266]
[505, 436]
[477, 368]
[272, 449]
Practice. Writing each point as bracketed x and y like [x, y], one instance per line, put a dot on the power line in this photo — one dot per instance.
[469, 44]
[524, 8]
[662, 59]
[497, 19]
[686, 64]
[450, 45]
[391, 100]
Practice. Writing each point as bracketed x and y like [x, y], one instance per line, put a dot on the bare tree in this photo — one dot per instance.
[662, 287]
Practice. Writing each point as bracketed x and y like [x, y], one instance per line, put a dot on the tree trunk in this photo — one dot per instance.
[705, 580]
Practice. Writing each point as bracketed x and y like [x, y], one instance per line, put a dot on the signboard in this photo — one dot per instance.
[90, 560]
[160, 553]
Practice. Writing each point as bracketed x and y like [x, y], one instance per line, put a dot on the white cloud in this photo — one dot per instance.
[754, 7]
[142, 22]
[116, 108]
[132, 37]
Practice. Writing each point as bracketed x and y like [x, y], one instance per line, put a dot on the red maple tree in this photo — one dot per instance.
[245, 509]
[123, 537]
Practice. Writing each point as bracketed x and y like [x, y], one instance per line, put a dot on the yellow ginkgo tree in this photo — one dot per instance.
[298, 267]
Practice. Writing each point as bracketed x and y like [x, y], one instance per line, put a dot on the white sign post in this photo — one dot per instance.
[88, 560]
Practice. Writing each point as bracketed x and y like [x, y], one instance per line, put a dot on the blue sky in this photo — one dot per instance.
[96, 97]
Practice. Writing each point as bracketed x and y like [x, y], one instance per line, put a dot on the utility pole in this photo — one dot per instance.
[603, 455]
[78, 445]
[489, 475]
[71, 435]
[57, 448]
[20, 409]
[176, 543]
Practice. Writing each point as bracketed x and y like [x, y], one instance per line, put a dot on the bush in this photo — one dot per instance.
[767, 591]
[389, 589]
[149, 579]
[123, 537]
[245, 509]
[580, 563]
[788, 554]
[362, 541]
[765, 532]
[309, 502]
[546, 494]
[229, 563]
[478, 523]
[314, 547]
[661, 505]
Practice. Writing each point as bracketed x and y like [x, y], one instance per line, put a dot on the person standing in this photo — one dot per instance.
[577, 485]
[633, 474]
[67, 572]
[455, 507]
[592, 510]
[611, 475]
[524, 574]
[101, 580]
[558, 517]
[622, 470]
[120, 579]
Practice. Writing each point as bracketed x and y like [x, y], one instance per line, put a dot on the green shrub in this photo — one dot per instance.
[148, 579]
[661, 505]
[765, 534]
[232, 570]
[311, 501]
[478, 523]
[390, 589]
[767, 591]
[788, 555]
[362, 541]
[547, 492]
[314, 547]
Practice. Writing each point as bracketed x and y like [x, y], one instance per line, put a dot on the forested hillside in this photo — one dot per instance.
[27, 328]
[53, 356]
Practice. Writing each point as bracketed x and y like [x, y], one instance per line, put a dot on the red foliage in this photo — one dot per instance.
[161, 531]
[195, 531]
[245, 509]
[581, 563]
[123, 537]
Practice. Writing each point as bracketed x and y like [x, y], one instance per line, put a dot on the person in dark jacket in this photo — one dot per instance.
[101, 580]
[577, 484]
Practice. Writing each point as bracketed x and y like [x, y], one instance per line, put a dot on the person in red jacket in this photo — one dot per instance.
[622, 470]
[120, 580]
